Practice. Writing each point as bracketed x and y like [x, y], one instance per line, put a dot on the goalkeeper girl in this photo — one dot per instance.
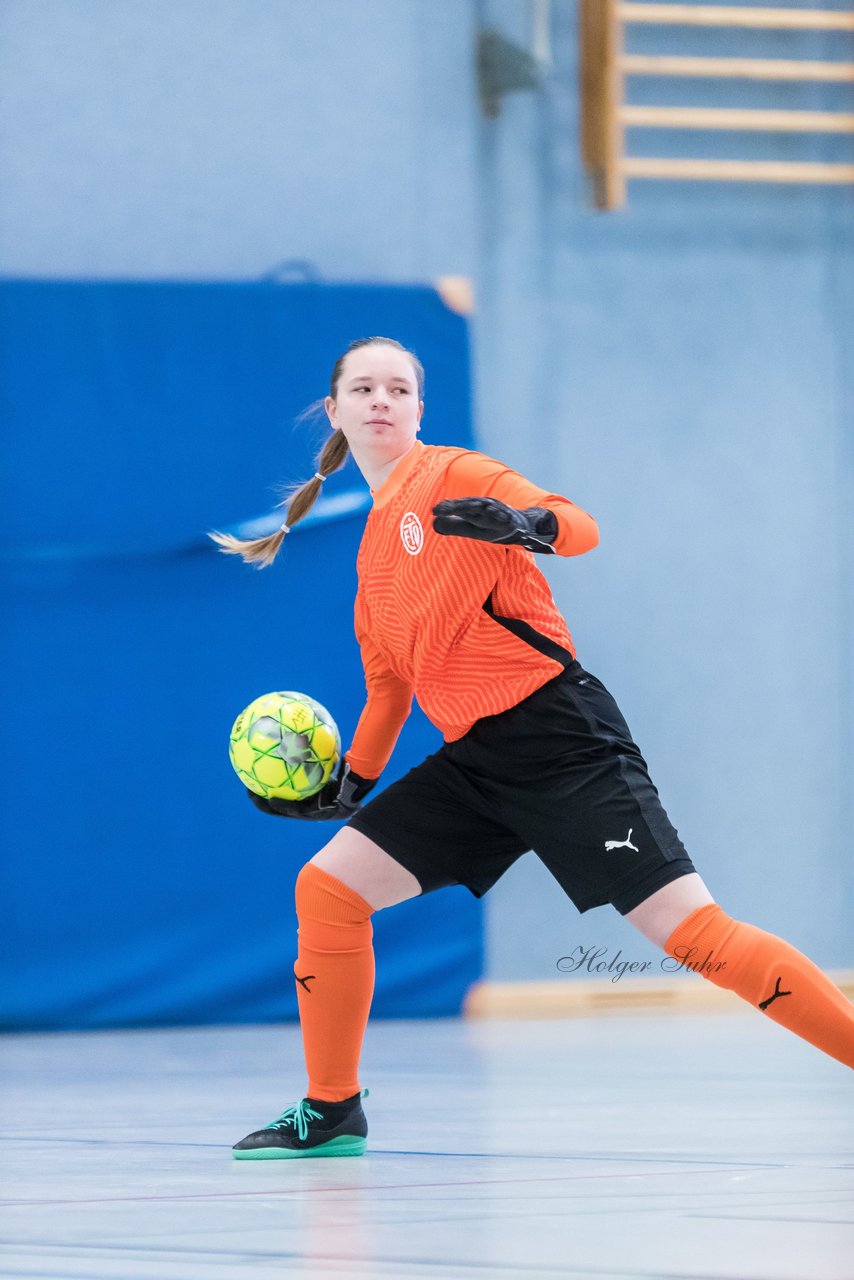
[452, 608]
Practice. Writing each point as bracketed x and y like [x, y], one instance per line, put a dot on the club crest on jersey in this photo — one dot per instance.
[411, 533]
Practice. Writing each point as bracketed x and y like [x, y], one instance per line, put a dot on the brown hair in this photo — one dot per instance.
[300, 498]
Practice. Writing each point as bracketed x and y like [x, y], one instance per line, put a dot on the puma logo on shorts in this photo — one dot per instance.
[622, 844]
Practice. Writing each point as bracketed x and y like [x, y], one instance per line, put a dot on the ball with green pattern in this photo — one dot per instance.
[284, 745]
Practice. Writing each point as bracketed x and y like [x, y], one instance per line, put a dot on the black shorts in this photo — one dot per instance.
[558, 774]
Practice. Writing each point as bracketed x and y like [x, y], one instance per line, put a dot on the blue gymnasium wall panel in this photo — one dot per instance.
[141, 887]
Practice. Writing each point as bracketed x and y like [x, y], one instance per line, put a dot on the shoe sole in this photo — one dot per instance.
[342, 1146]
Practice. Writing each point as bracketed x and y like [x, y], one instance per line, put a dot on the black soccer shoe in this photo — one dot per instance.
[311, 1128]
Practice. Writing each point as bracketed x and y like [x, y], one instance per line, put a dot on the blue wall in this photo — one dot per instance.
[141, 886]
[210, 139]
[679, 368]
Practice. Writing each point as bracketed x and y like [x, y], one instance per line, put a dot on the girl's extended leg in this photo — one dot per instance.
[685, 921]
[336, 893]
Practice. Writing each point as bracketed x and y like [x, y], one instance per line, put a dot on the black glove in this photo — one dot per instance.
[339, 799]
[493, 521]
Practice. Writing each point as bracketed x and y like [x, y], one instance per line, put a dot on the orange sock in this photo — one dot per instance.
[769, 973]
[334, 972]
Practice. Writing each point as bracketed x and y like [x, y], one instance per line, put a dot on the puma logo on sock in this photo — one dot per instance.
[622, 844]
[777, 992]
[309, 977]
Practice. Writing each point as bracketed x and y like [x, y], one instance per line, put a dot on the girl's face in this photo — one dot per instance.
[376, 404]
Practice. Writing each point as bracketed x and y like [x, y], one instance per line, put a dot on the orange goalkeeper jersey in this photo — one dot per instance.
[469, 628]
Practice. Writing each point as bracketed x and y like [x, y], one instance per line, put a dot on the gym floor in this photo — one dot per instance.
[707, 1146]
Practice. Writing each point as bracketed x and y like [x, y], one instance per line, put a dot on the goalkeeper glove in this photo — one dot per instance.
[339, 799]
[492, 521]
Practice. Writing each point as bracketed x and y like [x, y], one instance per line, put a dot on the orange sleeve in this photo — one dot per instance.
[386, 710]
[474, 475]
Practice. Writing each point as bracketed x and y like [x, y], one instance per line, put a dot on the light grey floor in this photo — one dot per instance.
[627, 1146]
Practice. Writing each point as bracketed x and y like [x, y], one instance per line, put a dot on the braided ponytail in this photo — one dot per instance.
[298, 501]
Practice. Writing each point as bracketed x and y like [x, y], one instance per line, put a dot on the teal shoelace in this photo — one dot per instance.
[298, 1117]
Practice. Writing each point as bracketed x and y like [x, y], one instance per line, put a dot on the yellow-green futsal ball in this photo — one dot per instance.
[284, 745]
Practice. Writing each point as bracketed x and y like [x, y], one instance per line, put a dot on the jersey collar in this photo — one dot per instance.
[392, 483]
